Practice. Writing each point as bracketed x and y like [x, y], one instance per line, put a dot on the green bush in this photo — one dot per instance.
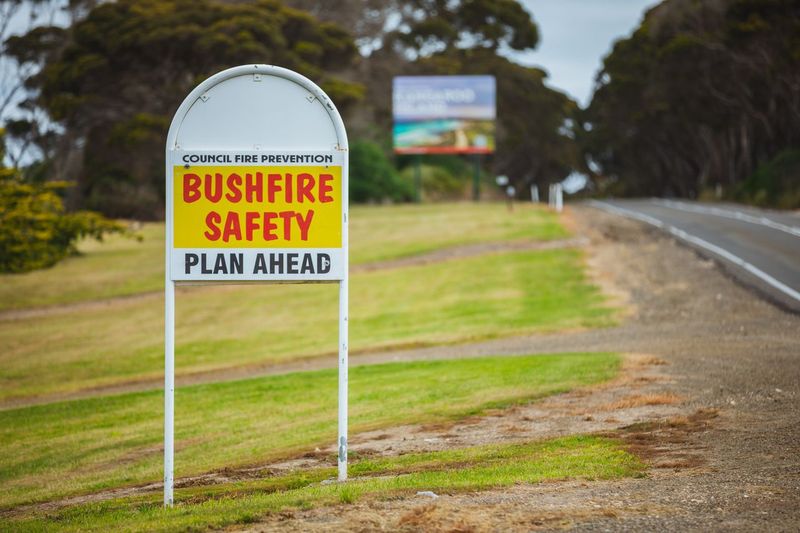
[35, 230]
[775, 183]
[373, 178]
[439, 182]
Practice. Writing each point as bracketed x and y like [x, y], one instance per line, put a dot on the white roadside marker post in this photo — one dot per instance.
[559, 204]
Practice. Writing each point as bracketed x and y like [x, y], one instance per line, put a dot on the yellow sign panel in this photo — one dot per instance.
[223, 206]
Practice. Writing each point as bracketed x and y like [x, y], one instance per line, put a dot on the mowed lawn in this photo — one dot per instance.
[444, 472]
[72, 448]
[83, 446]
[468, 299]
[123, 266]
[454, 301]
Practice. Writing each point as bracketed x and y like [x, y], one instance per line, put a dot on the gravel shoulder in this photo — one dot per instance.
[722, 435]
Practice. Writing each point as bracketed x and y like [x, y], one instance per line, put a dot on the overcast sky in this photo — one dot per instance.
[576, 35]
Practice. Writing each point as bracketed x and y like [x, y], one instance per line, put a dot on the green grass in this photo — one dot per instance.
[68, 448]
[449, 471]
[389, 232]
[455, 301]
[71, 448]
[120, 266]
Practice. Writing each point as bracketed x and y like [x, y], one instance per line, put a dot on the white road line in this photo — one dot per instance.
[713, 248]
[727, 213]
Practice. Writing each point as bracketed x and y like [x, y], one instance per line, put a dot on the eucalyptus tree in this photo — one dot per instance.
[701, 94]
[114, 78]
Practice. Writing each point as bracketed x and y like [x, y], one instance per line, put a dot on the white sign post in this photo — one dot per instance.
[256, 191]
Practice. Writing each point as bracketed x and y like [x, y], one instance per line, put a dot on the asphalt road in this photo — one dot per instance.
[759, 248]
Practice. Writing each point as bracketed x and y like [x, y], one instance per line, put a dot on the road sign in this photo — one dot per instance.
[257, 216]
[256, 191]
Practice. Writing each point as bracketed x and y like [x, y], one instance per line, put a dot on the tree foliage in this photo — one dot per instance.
[372, 176]
[114, 79]
[533, 144]
[468, 37]
[27, 134]
[35, 229]
[430, 26]
[774, 183]
[115, 76]
[699, 95]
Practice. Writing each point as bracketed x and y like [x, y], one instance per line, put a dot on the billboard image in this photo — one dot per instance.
[444, 114]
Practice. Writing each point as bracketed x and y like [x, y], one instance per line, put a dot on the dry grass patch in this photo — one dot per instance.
[451, 518]
[669, 443]
[642, 400]
[647, 360]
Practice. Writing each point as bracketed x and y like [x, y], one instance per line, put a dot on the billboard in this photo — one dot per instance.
[444, 114]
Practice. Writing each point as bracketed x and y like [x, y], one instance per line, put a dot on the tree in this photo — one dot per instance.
[699, 95]
[466, 37]
[26, 128]
[774, 183]
[114, 79]
[533, 143]
[434, 26]
[35, 230]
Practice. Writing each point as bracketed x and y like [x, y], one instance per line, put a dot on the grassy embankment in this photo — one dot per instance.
[84, 446]
[122, 267]
[67, 448]
[79, 447]
[448, 471]
[221, 327]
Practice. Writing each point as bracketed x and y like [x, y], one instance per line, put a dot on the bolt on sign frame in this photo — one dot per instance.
[256, 192]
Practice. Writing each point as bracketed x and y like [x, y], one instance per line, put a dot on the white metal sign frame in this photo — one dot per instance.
[255, 109]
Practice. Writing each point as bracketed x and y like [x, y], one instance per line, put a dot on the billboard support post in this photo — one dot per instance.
[476, 179]
[417, 178]
[295, 175]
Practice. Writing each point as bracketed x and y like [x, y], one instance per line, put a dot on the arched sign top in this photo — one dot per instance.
[255, 107]
[257, 179]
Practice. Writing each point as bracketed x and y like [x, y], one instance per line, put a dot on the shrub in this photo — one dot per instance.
[373, 178]
[35, 230]
[439, 183]
[775, 183]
